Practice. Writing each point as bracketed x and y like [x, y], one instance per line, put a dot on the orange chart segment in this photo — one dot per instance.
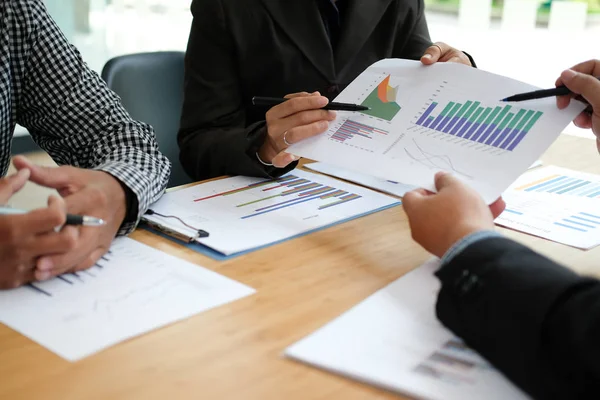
[382, 101]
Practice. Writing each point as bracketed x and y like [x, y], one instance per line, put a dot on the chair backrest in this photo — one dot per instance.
[151, 88]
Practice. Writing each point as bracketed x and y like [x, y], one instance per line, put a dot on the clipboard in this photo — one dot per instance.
[192, 244]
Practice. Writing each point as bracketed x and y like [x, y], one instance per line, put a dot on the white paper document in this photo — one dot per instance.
[393, 340]
[243, 213]
[390, 187]
[444, 117]
[132, 290]
[556, 204]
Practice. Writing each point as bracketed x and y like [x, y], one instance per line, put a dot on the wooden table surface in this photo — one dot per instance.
[235, 351]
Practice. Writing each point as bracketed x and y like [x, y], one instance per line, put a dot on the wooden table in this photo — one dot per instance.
[235, 351]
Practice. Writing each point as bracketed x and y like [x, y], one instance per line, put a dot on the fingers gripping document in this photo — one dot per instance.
[444, 117]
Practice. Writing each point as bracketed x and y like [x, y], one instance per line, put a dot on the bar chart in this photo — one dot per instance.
[292, 191]
[581, 222]
[561, 184]
[502, 127]
[350, 129]
[537, 209]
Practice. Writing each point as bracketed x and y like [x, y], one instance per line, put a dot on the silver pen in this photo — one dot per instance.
[71, 219]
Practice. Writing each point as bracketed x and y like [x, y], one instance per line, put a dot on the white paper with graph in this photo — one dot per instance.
[393, 340]
[132, 290]
[556, 204]
[445, 117]
[243, 213]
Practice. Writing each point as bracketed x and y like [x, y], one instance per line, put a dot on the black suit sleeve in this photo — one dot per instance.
[536, 321]
[418, 36]
[213, 138]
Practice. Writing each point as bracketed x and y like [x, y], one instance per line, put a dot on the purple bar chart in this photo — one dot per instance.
[499, 127]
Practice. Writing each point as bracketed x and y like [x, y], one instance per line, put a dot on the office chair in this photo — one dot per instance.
[151, 88]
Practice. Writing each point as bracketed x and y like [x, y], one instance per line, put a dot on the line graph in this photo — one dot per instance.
[433, 161]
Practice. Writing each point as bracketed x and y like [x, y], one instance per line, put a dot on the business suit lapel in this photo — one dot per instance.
[361, 19]
[302, 22]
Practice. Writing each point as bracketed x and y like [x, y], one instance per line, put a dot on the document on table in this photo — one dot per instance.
[444, 117]
[556, 204]
[133, 289]
[393, 340]
[390, 187]
[242, 213]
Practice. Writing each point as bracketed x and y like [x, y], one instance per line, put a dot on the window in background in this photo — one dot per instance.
[102, 29]
[535, 51]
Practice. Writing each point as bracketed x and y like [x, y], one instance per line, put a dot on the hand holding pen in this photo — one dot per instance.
[292, 119]
[299, 117]
[26, 237]
[581, 82]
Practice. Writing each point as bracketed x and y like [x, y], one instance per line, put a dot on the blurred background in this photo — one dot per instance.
[528, 40]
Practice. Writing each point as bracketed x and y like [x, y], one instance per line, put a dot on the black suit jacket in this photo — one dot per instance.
[244, 48]
[536, 321]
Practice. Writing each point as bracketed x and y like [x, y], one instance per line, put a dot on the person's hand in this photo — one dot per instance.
[86, 192]
[25, 237]
[581, 80]
[441, 52]
[439, 220]
[297, 119]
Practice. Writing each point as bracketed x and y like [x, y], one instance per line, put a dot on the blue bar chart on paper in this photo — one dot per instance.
[560, 181]
[555, 218]
[502, 127]
[564, 184]
[581, 222]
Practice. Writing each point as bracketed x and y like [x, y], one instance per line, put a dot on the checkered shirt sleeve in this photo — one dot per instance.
[71, 113]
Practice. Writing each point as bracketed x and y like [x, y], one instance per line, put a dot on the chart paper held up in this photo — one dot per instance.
[444, 117]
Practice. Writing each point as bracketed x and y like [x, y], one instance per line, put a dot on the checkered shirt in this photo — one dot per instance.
[46, 87]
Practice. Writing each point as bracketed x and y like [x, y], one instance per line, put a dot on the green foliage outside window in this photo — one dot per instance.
[452, 5]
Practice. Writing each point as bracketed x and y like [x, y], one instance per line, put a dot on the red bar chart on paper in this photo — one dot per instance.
[350, 129]
[503, 127]
[288, 191]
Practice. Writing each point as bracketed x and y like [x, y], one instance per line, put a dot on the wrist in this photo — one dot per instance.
[462, 231]
[120, 197]
[266, 152]
[465, 242]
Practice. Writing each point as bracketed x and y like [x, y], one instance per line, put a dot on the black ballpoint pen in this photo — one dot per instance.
[273, 101]
[541, 94]
[83, 220]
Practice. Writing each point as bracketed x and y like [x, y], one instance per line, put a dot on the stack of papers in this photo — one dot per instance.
[393, 340]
